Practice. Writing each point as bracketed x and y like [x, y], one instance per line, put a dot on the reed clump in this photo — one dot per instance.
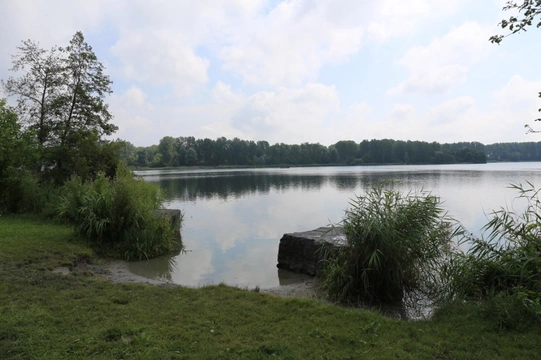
[501, 270]
[118, 216]
[395, 244]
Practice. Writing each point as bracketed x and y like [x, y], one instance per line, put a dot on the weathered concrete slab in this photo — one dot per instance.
[299, 252]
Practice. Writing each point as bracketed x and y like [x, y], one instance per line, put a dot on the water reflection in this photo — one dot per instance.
[234, 219]
[160, 268]
[197, 187]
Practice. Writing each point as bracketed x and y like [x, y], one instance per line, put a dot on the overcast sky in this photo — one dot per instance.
[300, 70]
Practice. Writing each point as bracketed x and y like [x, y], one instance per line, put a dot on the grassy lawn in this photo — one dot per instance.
[48, 316]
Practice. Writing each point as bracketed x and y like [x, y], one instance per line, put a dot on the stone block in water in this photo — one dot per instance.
[300, 252]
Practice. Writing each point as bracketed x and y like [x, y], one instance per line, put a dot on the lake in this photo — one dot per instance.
[234, 219]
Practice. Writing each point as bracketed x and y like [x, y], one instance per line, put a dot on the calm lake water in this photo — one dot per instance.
[234, 219]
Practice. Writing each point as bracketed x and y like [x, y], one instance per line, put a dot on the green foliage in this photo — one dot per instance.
[9, 136]
[60, 97]
[525, 16]
[90, 157]
[395, 244]
[503, 268]
[347, 150]
[167, 148]
[187, 151]
[19, 188]
[118, 215]
[22, 192]
[514, 151]
[191, 157]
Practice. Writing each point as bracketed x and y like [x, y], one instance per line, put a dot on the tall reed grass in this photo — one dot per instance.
[395, 243]
[502, 270]
[118, 215]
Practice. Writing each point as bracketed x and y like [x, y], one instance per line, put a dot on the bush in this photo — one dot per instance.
[118, 215]
[395, 244]
[503, 269]
[21, 192]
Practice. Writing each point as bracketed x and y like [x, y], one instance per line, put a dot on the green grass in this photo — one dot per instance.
[49, 316]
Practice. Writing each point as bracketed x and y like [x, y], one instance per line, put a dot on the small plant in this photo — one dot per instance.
[395, 243]
[118, 215]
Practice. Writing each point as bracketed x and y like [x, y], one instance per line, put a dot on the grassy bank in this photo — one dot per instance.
[48, 316]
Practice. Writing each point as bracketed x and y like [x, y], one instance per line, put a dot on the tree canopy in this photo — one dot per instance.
[187, 151]
[60, 96]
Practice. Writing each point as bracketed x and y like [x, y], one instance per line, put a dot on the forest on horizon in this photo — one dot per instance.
[188, 151]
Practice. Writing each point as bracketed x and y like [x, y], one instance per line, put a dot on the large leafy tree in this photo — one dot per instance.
[84, 90]
[526, 14]
[61, 95]
[37, 89]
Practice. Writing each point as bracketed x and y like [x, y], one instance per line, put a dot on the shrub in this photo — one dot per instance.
[21, 192]
[503, 269]
[395, 243]
[118, 215]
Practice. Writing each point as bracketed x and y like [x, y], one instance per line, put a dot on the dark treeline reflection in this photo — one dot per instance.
[192, 187]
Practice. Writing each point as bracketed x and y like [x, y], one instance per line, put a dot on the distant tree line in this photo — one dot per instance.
[501, 152]
[188, 151]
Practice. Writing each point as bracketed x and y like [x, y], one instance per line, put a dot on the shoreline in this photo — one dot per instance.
[116, 271]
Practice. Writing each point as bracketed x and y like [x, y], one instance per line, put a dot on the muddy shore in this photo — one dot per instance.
[117, 272]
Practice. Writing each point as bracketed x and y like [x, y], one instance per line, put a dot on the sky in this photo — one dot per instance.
[297, 71]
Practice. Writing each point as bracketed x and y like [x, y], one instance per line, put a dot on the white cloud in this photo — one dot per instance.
[132, 115]
[431, 80]
[448, 111]
[519, 94]
[222, 93]
[445, 62]
[158, 58]
[296, 39]
[136, 96]
[357, 111]
[463, 119]
[287, 113]
[290, 44]
[398, 18]
[402, 112]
